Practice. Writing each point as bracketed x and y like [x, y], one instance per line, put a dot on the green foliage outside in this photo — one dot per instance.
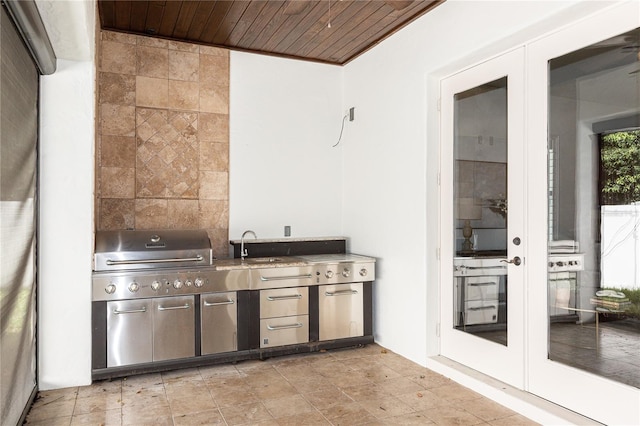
[634, 297]
[620, 161]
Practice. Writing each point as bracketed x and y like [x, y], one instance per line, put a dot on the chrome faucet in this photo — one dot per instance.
[243, 251]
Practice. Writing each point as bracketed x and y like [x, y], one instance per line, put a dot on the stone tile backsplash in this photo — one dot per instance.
[162, 136]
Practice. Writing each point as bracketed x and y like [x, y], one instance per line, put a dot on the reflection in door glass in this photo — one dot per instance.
[480, 206]
[594, 209]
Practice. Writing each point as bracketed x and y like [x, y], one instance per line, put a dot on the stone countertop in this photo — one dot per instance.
[285, 240]
[287, 261]
[258, 262]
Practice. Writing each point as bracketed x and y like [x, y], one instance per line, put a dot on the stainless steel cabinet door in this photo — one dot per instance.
[219, 322]
[341, 311]
[173, 328]
[129, 332]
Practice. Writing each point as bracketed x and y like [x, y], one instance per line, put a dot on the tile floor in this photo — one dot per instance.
[368, 385]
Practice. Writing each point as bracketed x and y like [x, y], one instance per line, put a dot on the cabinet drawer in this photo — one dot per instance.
[266, 278]
[481, 312]
[284, 331]
[481, 288]
[284, 302]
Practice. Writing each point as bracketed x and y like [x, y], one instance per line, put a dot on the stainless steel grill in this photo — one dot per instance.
[148, 283]
[152, 263]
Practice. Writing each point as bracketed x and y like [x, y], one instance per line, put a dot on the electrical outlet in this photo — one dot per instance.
[287, 231]
[352, 113]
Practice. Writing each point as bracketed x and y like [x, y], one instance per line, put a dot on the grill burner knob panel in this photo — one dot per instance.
[155, 286]
[363, 272]
[177, 284]
[133, 287]
[110, 289]
[346, 272]
[199, 282]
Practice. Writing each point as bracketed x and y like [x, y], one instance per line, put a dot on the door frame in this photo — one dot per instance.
[575, 390]
[505, 363]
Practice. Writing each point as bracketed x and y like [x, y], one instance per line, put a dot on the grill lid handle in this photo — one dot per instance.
[110, 262]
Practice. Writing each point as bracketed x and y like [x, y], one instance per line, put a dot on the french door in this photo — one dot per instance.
[540, 229]
[583, 326]
[482, 218]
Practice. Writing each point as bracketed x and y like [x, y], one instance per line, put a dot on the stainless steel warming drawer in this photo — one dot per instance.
[284, 316]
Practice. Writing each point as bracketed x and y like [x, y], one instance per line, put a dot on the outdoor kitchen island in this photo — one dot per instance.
[231, 309]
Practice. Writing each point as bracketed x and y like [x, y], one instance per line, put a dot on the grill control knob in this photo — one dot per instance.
[346, 272]
[363, 272]
[155, 285]
[328, 274]
[177, 284]
[560, 263]
[133, 287]
[199, 282]
[551, 264]
[188, 283]
[110, 289]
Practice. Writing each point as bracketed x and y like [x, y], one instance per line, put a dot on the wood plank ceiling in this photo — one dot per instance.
[329, 31]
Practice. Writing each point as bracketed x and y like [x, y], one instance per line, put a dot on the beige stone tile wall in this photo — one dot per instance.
[162, 136]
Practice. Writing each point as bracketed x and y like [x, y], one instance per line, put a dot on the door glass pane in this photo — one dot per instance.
[480, 208]
[594, 209]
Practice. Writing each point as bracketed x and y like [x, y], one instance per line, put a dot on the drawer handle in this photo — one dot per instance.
[292, 296]
[482, 308]
[173, 308]
[283, 327]
[286, 277]
[481, 284]
[340, 292]
[130, 311]
[227, 302]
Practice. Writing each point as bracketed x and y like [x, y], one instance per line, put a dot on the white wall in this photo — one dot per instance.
[285, 115]
[66, 225]
[390, 206]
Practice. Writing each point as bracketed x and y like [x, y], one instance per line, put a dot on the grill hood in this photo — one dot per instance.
[144, 249]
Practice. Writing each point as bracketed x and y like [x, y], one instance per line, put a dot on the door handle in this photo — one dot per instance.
[515, 261]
